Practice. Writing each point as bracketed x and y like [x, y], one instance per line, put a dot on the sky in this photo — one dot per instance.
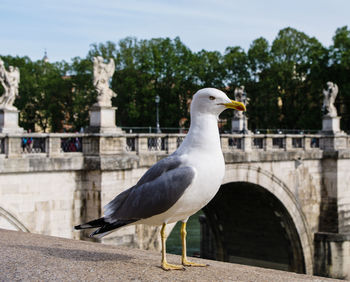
[66, 28]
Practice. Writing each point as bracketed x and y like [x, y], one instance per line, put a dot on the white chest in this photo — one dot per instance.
[210, 172]
[203, 188]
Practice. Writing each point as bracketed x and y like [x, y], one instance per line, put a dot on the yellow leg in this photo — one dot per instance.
[185, 262]
[165, 264]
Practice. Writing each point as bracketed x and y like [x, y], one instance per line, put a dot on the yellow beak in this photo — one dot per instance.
[235, 105]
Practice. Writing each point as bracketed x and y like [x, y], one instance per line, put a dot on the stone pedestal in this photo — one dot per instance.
[102, 120]
[9, 121]
[334, 138]
[332, 256]
[239, 124]
[331, 125]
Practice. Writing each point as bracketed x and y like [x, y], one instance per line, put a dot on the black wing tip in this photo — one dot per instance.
[109, 227]
[83, 226]
[91, 224]
[96, 232]
[87, 226]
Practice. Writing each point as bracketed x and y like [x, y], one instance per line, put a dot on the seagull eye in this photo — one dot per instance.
[211, 97]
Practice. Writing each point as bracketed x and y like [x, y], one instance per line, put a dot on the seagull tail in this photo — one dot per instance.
[91, 224]
[104, 227]
[109, 227]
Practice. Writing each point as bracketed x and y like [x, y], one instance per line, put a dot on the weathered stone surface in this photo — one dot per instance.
[30, 163]
[331, 125]
[9, 121]
[102, 120]
[332, 255]
[103, 72]
[264, 156]
[240, 124]
[31, 257]
[52, 191]
[334, 143]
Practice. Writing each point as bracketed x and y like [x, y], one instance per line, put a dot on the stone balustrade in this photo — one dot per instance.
[57, 144]
[71, 177]
[271, 142]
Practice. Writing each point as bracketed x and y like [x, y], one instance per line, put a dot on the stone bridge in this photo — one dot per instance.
[284, 202]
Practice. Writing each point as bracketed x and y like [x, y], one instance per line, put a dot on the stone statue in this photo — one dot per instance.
[102, 73]
[329, 98]
[240, 97]
[10, 81]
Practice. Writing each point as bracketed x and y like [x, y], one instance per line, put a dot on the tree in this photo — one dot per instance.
[236, 65]
[25, 102]
[42, 93]
[283, 80]
[259, 58]
[82, 93]
[339, 71]
[263, 109]
[294, 58]
[208, 69]
[147, 68]
[172, 78]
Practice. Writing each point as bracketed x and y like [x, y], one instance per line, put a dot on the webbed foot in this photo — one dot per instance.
[168, 266]
[185, 262]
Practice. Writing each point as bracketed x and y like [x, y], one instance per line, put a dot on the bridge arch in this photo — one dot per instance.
[11, 221]
[262, 183]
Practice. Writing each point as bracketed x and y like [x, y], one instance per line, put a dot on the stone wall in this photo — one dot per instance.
[332, 255]
[41, 201]
[50, 189]
[343, 195]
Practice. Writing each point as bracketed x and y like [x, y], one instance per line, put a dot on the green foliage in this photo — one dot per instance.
[42, 92]
[147, 68]
[82, 93]
[339, 72]
[283, 80]
[293, 54]
[287, 80]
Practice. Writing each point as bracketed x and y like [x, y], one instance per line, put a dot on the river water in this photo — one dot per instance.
[193, 237]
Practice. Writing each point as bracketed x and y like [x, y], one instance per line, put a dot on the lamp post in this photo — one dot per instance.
[157, 99]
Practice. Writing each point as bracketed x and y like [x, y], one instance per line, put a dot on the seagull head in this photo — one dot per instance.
[213, 101]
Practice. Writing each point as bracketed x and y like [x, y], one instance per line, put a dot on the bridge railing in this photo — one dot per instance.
[40, 144]
[271, 142]
[142, 143]
[45, 144]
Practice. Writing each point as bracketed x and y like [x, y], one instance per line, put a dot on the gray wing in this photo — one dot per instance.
[159, 168]
[159, 189]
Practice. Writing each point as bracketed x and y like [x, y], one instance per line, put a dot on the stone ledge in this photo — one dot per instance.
[268, 156]
[35, 163]
[33, 257]
[332, 237]
[129, 160]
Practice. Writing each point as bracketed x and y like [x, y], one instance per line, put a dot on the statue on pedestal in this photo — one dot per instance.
[102, 114]
[9, 113]
[10, 81]
[102, 74]
[240, 96]
[329, 98]
[330, 120]
[240, 120]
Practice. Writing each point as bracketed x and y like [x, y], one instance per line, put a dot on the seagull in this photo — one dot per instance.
[179, 185]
